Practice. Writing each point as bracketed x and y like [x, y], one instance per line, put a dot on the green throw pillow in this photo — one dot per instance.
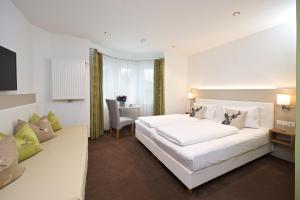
[2, 136]
[34, 118]
[27, 142]
[54, 121]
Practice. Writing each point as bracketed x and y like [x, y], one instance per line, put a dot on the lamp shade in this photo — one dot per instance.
[190, 95]
[284, 99]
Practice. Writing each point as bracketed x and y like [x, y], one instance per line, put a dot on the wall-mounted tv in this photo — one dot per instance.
[8, 69]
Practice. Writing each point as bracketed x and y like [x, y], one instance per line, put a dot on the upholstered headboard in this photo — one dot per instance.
[266, 109]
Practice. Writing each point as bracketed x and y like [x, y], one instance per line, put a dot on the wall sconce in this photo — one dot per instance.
[190, 95]
[285, 101]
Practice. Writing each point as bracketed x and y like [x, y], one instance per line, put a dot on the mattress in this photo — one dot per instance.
[199, 156]
[189, 133]
[163, 120]
[148, 132]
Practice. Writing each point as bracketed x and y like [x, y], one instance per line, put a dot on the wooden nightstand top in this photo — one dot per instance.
[283, 132]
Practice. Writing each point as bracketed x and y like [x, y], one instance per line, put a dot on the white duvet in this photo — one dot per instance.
[193, 132]
[164, 120]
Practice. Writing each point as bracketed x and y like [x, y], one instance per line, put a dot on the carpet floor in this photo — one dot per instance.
[127, 170]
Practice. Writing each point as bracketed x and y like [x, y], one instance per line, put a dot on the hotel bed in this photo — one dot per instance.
[198, 163]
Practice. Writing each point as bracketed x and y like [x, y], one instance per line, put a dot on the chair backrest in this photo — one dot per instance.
[114, 113]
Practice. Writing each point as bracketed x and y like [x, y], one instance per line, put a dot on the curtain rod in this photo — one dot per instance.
[134, 60]
[126, 59]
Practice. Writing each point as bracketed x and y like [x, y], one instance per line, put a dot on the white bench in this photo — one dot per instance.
[56, 173]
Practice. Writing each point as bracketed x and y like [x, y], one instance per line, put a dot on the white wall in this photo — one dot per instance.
[263, 60]
[176, 83]
[47, 46]
[15, 34]
[125, 55]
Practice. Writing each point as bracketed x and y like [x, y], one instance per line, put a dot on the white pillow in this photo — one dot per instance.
[210, 110]
[253, 115]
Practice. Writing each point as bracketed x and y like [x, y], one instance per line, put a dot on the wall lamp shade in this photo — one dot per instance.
[284, 100]
[190, 95]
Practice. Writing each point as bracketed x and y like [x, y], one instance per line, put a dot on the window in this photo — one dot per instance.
[131, 78]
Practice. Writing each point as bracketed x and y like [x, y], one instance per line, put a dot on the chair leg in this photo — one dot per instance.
[110, 132]
[132, 129]
[118, 134]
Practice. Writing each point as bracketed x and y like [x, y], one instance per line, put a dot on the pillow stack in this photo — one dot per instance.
[240, 117]
[10, 170]
[235, 118]
[207, 112]
[198, 111]
[54, 121]
[248, 118]
[51, 117]
[42, 128]
[25, 143]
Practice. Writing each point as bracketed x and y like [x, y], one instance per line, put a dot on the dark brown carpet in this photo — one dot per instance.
[127, 170]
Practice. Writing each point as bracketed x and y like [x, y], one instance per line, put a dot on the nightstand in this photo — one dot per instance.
[286, 138]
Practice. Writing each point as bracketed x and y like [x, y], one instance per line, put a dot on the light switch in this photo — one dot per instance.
[280, 122]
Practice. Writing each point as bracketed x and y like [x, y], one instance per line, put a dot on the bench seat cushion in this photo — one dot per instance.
[58, 172]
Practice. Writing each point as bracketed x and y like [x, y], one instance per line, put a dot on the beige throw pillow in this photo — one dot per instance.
[10, 170]
[45, 125]
[198, 112]
[42, 128]
[235, 118]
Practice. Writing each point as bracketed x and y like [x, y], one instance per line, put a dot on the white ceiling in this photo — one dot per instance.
[191, 25]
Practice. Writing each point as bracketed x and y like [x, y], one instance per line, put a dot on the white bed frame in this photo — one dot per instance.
[193, 179]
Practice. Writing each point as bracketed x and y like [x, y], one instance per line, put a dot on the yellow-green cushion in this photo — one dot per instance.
[2, 136]
[53, 119]
[34, 118]
[27, 142]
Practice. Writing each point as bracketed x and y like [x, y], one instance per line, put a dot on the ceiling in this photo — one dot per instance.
[190, 25]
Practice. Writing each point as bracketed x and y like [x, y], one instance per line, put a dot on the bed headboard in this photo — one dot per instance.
[266, 109]
[15, 107]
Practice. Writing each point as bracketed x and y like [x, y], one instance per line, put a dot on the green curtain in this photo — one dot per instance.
[158, 88]
[97, 124]
[297, 151]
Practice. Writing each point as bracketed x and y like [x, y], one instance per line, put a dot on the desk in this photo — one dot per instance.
[130, 111]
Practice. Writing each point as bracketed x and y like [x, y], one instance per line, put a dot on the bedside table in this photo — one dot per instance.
[286, 138]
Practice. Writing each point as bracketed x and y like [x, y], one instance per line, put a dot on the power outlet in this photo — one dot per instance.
[291, 124]
[285, 123]
[280, 123]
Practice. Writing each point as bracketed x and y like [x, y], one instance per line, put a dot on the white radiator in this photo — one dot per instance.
[68, 79]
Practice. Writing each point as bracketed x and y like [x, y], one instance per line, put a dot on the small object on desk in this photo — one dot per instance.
[282, 137]
[122, 100]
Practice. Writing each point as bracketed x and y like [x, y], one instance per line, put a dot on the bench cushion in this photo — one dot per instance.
[58, 172]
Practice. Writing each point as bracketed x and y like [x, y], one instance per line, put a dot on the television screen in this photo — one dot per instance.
[8, 69]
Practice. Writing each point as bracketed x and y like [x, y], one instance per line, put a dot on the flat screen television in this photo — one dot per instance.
[8, 69]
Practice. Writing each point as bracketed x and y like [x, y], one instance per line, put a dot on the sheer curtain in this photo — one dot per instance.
[131, 78]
